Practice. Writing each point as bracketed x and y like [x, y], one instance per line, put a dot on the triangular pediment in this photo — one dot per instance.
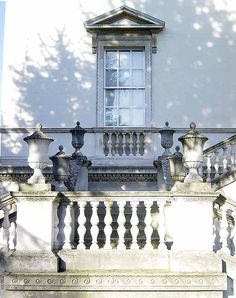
[126, 18]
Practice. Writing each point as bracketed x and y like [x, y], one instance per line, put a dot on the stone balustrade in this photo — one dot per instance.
[219, 159]
[7, 223]
[133, 220]
[124, 143]
[110, 221]
[224, 226]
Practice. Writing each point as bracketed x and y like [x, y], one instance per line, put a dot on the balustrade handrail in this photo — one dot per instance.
[121, 195]
[223, 200]
[112, 129]
[118, 196]
[229, 141]
[6, 199]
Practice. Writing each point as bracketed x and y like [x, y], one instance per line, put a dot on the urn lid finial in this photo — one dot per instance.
[38, 134]
[166, 128]
[177, 153]
[60, 153]
[192, 133]
[39, 126]
[78, 128]
[192, 125]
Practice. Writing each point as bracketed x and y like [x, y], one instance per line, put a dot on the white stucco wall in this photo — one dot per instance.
[49, 73]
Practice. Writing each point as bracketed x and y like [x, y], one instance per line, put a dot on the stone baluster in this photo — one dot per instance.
[121, 225]
[12, 236]
[5, 226]
[225, 161]
[123, 144]
[56, 225]
[232, 155]
[148, 228]
[208, 165]
[94, 228]
[233, 231]
[224, 233]
[138, 144]
[1, 238]
[216, 163]
[109, 144]
[145, 144]
[105, 143]
[200, 171]
[108, 228]
[161, 226]
[134, 222]
[117, 143]
[68, 226]
[81, 221]
[215, 227]
[154, 223]
[131, 143]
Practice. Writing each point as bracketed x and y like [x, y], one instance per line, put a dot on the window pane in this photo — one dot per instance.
[124, 59]
[124, 117]
[138, 98]
[111, 117]
[111, 78]
[138, 117]
[111, 59]
[124, 79]
[110, 98]
[137, 78]
[124, 98]
[137, 59]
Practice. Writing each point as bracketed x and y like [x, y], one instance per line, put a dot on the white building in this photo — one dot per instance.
[122, 68]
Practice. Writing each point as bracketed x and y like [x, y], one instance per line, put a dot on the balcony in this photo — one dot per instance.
[126, 155]
[120, 242]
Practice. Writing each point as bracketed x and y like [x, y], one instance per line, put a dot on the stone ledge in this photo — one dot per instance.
[31, 261]
[116, 280]
[160, 261]
[32, 188]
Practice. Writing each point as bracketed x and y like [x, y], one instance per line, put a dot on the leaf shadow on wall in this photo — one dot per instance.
[56, 92]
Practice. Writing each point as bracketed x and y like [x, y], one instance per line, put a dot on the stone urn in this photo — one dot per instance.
[38, 145]
[77, 139]
[166, 139]
[176, 166]
[61, 163]
[193, 143]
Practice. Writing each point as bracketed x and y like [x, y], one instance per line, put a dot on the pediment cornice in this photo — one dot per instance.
[131, 18]
[124, 20]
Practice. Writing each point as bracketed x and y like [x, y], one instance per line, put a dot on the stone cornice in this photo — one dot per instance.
[93, 177]
[116, 280]
[113, 19]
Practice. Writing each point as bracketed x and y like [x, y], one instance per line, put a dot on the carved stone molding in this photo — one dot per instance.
[122, 177]
[116, 281]
[22, 177]
[93, 177]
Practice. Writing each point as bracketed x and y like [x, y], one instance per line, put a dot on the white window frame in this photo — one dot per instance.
[119, 107]
[139, 42]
